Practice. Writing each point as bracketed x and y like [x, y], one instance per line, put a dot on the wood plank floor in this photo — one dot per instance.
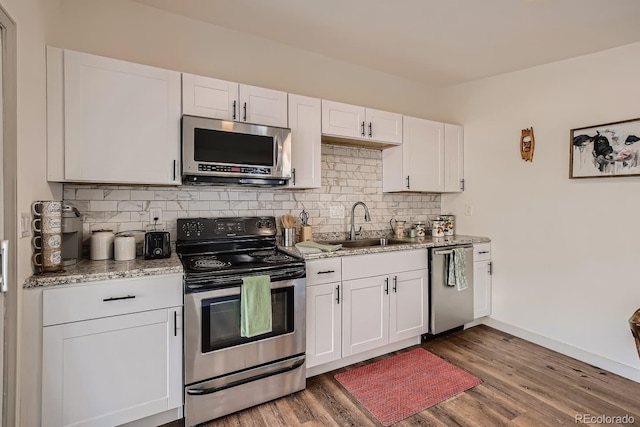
[524, 385]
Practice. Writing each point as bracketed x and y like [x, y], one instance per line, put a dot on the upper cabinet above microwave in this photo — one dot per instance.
[111, 121]
[355, 125]
[220, 99]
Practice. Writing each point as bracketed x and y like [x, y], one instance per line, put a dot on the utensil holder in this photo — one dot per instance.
[288, 236]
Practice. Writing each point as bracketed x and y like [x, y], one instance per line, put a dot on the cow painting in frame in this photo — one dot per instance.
[607, 150]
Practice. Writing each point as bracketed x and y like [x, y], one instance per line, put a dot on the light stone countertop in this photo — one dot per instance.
[92, 271]
[411, 243]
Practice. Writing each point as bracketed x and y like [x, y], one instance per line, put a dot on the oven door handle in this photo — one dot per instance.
[201, 391]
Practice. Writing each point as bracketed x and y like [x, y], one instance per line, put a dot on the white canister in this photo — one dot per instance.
[437, 228]
[101, 245]
[124, 247]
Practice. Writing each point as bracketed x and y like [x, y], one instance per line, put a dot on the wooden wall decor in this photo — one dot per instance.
[527, 144]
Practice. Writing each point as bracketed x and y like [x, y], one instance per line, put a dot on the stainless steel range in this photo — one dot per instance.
[225, 372]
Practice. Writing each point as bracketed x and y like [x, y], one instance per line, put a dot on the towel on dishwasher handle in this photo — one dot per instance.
[456, 274]
[256, 317]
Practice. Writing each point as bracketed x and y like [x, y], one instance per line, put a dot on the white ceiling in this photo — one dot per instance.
[436, 42]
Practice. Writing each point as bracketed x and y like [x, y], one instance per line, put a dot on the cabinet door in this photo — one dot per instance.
[110, 371]
[365, 314]
[409, 305]
[383, 126]
[207, 97]
[454, 157]
[481, 289]
[305, 122]
[343, 119]
[423, 154]
[121, 121]
[263, 106]
[324, 324]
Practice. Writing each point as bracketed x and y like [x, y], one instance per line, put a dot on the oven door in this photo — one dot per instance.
[213, 345]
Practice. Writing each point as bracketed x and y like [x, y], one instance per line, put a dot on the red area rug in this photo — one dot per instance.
[403, 385]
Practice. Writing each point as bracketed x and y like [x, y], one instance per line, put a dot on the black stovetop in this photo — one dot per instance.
[220, 252]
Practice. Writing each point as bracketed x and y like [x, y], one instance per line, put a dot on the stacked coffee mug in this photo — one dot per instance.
[47, 236]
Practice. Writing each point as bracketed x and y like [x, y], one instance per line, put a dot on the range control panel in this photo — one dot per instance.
[217, 228]
[245, 170]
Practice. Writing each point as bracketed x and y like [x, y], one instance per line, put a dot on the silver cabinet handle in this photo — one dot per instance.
[462, 184]
[408, 182]
[362, 128]
[386, 285]
[234, 109]
[4, 276]
[175, 166]
[370, 130]
[395, 284]
[293, 175]
[326, 272]
[245, 112]
[338, 294]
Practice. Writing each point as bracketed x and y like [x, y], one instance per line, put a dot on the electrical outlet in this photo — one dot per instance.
[155, 213]
[25, 224]
[468, 209]
[336, 211]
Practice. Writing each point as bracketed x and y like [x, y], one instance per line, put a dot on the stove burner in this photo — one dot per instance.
[262, 253]
[276, 258]
[209, 263]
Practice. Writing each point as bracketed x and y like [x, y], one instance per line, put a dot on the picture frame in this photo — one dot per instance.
[605, 151]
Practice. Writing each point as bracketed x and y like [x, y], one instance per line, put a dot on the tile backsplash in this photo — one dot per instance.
[348, 175]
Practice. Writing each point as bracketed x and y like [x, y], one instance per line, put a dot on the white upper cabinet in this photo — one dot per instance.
[111, 121]
[351, 122]
[454, 158]
[429, 160]
[220, 99]
[305, 124]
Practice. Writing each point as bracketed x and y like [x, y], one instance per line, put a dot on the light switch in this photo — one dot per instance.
[25, 224]
[336, 211]
[468, 209]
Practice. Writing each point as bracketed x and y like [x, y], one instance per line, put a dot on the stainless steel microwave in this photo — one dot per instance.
[224, 152]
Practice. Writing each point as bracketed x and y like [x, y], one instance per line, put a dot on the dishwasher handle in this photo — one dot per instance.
[450, 251]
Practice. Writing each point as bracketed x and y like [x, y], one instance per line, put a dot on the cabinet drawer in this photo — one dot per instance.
[110, 298]
[355, 267]
[324, 271]
[481, 251]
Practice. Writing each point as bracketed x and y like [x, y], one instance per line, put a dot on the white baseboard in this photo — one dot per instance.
[592, 359]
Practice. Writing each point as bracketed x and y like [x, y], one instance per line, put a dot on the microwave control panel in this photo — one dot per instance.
[253, 170]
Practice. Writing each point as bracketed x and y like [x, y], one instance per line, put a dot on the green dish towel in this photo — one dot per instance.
[255, 306]
[310, 247]
[457, 275]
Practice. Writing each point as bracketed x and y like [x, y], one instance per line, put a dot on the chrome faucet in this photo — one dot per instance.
[353, 233]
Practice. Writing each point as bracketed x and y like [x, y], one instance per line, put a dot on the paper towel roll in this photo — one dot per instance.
[125, 248]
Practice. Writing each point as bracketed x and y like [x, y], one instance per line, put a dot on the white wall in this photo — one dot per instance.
[131, 31]
[35, 23]
[565, 251]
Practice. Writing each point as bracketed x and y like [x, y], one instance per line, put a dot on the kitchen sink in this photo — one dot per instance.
[365, 243]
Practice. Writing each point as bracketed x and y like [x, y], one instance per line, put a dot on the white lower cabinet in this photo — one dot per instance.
[324, 323]
[360, 303]
[481, 280]
[114, 369]
[384, 309]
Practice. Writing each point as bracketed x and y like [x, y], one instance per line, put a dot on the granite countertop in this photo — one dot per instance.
[411, 243]
[91, 271]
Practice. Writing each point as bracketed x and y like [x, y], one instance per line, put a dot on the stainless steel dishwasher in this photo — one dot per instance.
[451, 304]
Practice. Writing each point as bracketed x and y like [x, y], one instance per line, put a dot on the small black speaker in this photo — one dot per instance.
[157, 244]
